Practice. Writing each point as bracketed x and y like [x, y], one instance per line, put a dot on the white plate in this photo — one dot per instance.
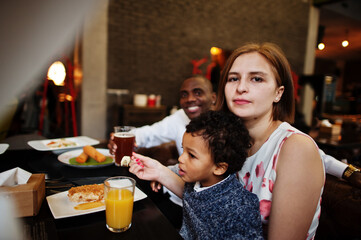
[3, 147]
[65, 157]
[81, 141]
[61, 207]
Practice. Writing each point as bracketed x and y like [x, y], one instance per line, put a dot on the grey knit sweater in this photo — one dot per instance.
[224, 211]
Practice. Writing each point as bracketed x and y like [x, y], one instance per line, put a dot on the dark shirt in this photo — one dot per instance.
[223, 211]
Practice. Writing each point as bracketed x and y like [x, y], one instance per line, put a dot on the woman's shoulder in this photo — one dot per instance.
[299, 151]
[282, 133]
[296, 145]
[300, 143]
[297, 138]
[285, 126]
[287, 131]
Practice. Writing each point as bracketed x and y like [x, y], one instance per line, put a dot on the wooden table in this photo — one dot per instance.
[148, 221]
[346, 145]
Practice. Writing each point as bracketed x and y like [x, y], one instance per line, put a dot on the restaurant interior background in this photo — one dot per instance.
[149, 47]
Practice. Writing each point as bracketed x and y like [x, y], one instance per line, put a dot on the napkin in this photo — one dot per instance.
[13, 177]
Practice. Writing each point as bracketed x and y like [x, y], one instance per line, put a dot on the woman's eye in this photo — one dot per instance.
[257, 79]
[232, 79]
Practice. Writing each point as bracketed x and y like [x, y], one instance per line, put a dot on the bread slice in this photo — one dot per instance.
[86, 193]
[93, 153]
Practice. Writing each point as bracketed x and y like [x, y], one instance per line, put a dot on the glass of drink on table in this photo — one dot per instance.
[119, 199]
[125, 141]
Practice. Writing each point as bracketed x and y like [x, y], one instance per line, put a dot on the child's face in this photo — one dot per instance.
[196, 163]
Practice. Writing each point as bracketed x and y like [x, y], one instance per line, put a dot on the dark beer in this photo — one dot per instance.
[125, 143]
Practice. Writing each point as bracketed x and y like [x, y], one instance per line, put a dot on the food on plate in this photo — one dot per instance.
[82, 158]
[61, 143]
[91, 162]
[89, 205]
[86, 193]
[125, 161]
[93, 153]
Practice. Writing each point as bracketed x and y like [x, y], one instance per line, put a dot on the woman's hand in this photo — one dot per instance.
[145, 168]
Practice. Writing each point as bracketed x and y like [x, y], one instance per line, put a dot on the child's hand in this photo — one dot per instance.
[156, 186]
[144, 167]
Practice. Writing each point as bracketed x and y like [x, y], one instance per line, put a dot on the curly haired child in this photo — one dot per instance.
[215, 204]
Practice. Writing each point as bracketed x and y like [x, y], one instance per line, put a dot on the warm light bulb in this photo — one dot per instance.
[69, 98]
[215, 50]
[345, 43]
[321, 46]
[57, 73]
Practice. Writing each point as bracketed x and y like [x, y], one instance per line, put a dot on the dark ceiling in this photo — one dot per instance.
[336, 19]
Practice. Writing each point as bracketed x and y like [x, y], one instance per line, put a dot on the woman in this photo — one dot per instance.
[284, 167]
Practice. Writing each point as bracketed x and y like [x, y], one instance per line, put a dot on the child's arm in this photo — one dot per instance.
[150, 169]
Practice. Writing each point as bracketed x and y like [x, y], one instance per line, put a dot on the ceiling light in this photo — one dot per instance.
[215, 50]
[321, 46]
[345, 43]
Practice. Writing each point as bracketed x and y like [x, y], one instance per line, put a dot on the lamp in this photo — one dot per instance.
[215, 50]
[321, 46]
[320, 35]
[57, 73]
[345, 42]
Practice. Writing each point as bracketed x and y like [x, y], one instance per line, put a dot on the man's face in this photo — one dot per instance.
[196, 96]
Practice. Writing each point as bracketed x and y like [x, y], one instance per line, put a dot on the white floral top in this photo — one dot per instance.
[258, 174]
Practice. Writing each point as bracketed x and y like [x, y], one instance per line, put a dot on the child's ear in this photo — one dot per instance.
[221, 168]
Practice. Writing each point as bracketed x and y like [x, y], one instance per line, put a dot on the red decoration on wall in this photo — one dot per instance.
[196, 64]
[296, 86]
[209, 70]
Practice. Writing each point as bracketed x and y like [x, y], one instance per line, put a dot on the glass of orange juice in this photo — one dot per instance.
[119, 199]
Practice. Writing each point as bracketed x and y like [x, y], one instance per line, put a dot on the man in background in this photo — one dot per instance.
[196, 97]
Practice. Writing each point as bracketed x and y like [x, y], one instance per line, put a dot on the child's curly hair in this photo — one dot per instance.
[228, 139]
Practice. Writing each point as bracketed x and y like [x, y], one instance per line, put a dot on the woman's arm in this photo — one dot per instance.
[150, 169]
[296, 192]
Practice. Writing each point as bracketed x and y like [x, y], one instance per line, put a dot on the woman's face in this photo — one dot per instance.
[251, 88]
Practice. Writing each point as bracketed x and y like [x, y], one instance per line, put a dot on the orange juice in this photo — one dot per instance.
[119, 208]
